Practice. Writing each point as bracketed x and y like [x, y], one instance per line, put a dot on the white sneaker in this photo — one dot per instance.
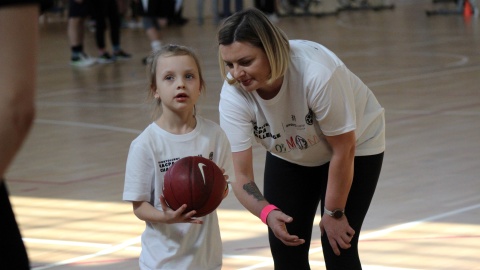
[105, 58]
[82, 61]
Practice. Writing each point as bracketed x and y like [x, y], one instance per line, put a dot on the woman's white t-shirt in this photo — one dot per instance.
[319, 96]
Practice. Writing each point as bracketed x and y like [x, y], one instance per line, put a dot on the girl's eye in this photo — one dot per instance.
[189, 76]
[229, 65]
[168, 77]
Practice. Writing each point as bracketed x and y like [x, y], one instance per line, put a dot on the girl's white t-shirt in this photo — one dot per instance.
[180, 245]
[319, 96]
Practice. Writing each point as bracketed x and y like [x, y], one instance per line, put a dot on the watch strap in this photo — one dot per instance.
[334, 212]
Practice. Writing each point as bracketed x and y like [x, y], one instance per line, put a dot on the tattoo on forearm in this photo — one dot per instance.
[252, 189]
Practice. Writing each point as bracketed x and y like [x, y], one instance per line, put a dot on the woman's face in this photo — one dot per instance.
[247, 64]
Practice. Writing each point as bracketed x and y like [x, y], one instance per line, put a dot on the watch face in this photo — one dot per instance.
[337, 214]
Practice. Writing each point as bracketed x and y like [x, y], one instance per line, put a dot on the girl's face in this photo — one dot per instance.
[177, 82]
[247, 64]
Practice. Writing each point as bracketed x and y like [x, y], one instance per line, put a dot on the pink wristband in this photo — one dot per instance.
[265, 211]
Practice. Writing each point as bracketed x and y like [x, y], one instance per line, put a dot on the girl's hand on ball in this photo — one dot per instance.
[178, 216]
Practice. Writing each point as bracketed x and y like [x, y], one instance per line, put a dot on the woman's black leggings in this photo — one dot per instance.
[298, 190]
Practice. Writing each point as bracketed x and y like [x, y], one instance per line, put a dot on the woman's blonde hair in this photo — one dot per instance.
[252, 26]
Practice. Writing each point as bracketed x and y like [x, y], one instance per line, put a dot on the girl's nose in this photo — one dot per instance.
[180, 84]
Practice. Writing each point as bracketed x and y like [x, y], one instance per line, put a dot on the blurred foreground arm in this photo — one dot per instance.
[18, 63]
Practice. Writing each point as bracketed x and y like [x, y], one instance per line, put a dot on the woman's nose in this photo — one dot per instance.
[237, 72]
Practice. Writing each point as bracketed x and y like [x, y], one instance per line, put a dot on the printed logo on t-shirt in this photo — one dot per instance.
[309, 117]
[264, 131]
[295, 135]
[165, 164]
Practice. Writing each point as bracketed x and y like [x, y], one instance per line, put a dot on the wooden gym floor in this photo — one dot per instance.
[67, 181]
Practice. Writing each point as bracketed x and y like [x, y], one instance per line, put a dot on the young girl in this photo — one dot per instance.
[175, 239]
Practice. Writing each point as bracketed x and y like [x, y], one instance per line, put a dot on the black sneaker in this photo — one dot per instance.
[121, 55]
[105, 58]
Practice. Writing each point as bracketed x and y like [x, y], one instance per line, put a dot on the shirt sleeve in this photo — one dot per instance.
[139, 174]
[334, 104]
[236, 117]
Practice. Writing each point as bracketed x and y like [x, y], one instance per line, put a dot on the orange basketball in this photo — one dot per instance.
[195, 181]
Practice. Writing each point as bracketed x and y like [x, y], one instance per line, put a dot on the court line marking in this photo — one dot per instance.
[386, 231]
[65, 243]
[264, 261]
[68, 182]
[92, 105]
[87, 125]
[109, 250]
[424, 76]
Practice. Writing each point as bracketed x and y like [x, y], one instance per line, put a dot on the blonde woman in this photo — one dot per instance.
[323, 130]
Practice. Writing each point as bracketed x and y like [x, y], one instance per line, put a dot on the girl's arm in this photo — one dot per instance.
[146, 212]
[252, 199]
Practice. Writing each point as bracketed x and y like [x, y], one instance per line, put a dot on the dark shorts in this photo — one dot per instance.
[19, 2]
[76, 9]
[156, 8]
[149, 22]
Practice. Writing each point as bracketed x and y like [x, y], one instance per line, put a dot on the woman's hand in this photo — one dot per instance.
[178, 216]
[339, 232]
[277, 220]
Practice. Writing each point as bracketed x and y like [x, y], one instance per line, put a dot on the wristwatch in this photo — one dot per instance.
[337, 213]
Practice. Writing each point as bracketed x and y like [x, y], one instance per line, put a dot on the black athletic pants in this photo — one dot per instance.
[267, 6]
[297, 191]
[101, 10]
[13, 254]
